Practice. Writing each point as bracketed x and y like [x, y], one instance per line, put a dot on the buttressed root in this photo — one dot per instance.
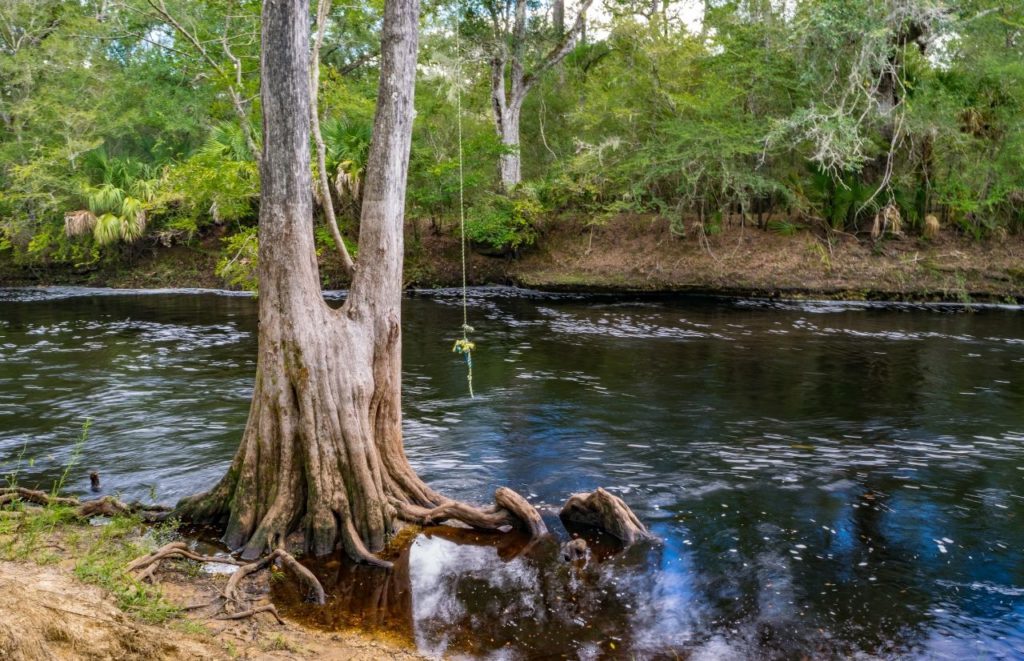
[600, 509]
[510, 510]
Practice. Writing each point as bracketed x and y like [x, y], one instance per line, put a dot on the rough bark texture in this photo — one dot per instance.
[600, 509]
[321, 454]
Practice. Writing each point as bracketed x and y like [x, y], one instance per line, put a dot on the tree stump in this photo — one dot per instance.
[600, 509]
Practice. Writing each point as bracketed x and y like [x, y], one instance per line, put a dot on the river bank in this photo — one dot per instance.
[64, 597]
[641, 254]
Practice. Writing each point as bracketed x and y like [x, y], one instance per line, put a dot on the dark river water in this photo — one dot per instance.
[827, 480]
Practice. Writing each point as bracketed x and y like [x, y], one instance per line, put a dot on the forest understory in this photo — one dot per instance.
[638, 254]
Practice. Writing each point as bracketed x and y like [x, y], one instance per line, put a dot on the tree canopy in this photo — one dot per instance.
[128, 123]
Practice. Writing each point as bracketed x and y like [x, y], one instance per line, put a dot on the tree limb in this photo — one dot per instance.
[160, 7]
[561, 50]
[323, 7]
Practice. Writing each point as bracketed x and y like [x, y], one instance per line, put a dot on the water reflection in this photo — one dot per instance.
[460, 592]
[828, 480]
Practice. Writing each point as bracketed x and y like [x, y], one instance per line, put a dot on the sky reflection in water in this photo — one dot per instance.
[827, 479]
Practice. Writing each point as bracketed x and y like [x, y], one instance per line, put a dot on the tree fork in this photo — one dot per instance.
[321, 456]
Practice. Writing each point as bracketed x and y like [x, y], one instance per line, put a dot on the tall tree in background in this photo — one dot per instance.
[322, 451]
[510, 80]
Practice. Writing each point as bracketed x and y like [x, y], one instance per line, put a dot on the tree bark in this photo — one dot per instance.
[321, 457]
[602, 510]
[510, 161]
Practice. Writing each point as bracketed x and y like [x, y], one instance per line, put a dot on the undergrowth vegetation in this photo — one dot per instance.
[883, 118]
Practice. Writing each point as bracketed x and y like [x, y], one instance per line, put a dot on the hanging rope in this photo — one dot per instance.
[462, 346]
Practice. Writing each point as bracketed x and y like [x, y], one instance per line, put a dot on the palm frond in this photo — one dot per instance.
[77, 223]
[108, 229]
[105, 198]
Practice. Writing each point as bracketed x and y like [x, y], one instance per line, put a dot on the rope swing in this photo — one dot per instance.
[463, 345]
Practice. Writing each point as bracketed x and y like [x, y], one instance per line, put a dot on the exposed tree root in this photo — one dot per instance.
[107, 506]
[314, 591]
[13, 494]
[145, 568]
[603, 510]
[233, 602]
[266, 608]
[510, 510]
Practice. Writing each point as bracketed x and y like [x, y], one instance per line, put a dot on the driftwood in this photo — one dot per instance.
[609, 513]
[107, 506]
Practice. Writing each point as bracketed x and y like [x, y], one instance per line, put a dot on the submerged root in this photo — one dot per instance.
[314, 590]
[600, 509]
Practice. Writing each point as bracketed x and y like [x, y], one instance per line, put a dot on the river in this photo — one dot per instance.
[826, 479]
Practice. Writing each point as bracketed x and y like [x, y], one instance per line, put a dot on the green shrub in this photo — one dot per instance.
[505, 223]
[239, 259]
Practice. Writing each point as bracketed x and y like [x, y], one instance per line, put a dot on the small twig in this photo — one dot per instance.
[268, 608]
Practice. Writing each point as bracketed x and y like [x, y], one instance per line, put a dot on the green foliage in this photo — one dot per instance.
[817, 109]
[783, 227]
[239, 261]
[104, 565]
[218, 184]
[505, 223]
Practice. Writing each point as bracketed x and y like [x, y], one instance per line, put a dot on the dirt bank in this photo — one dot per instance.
[46, 613]
[640, 253]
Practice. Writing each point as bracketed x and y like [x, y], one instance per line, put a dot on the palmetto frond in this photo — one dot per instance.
[227, 141]
[105, 198]
[77, 223]
[108, 229]
[133, 219]
[347, 140]
[143, 189]
[348, 182]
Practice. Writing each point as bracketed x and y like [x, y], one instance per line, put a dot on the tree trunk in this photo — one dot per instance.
[507, 97]
[510, 161]
[321, 457]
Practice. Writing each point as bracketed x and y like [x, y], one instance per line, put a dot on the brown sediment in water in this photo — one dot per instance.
[469, 611]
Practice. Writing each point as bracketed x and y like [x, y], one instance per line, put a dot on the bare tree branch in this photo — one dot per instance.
[240, 105]
[561, 50]
[323, 8]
